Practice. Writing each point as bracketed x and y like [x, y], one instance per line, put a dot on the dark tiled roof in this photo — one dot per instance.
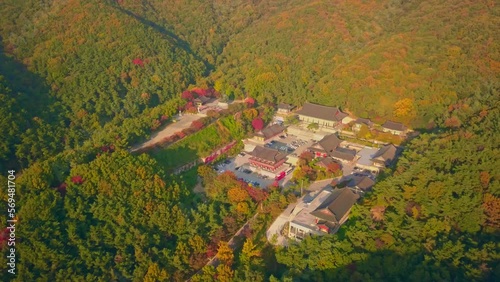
[344, 154]
[271, 131]
[322, 112]
[336, 205]
[202, 99]
[362, 182]
[387, 153]
[285, 106]
[268, 154]
[364, 121]
[329, 143]
[394, 126]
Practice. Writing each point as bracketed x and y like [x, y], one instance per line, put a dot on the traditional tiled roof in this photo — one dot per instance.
[344, 154]
[268, 154]
[285, 106]
[322, 112]
[329, 143]
[271, 131]
[394, 126]
[361, 182]
[364, 121]
[202, 99]
[387, 153]
[336, 206]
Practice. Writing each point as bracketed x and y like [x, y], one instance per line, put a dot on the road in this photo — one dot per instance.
[214, 261]
[182, 122]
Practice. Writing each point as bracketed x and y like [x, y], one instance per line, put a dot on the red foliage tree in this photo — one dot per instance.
[202, 92]
[257, 124]
[197, 124]
[256, 194]
[333, 167]
[180, 134]
[306, 155]
[192, 110]
[187, 95]
[138, 62]
[77, 179]
[250, 101]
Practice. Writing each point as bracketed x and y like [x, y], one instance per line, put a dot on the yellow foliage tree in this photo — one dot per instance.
[242, 208]
[155, 274]
[225, 253]
[237, 194]
[224, 273]
[404, 108]
[250, 114]
[249, 251]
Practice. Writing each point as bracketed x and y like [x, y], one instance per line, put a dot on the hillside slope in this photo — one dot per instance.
[379, 59]
[102, 64]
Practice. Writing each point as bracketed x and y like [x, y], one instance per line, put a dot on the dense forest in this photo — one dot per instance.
[81, 82]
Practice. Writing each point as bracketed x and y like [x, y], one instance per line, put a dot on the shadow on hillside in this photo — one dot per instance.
[32, 99]
[29, 89]
[173, 38]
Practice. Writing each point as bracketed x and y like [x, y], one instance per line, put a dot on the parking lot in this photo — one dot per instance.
[297, 144]
[240, 167]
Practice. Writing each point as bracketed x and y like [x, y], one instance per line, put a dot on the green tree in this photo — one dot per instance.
[313, 126]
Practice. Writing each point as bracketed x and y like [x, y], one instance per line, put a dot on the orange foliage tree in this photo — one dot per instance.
[237, 194]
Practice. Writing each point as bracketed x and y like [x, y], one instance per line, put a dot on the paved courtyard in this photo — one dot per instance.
[242, 163]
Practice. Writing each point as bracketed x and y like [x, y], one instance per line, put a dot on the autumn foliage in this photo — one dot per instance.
[77, 179]
[237, 194]
[257, 124]
[138, 62]
[197, 124]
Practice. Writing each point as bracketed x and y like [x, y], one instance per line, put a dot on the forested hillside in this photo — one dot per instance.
[103, 65]
[83, 81]
[401, 60]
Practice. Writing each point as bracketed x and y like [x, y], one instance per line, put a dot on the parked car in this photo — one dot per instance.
[282, 136]
[247, 171]
[227, 161]
[242, 154]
